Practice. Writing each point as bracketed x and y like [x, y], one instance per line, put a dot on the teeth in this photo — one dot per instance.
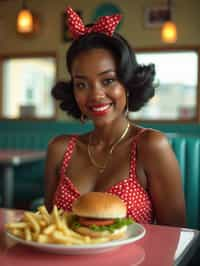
[99, 109]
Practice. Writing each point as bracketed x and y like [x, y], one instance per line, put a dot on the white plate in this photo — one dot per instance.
[135, 232]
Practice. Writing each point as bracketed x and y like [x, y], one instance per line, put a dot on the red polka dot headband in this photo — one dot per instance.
[105, 24]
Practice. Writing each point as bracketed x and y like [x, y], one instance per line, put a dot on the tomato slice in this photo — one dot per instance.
[98, 222]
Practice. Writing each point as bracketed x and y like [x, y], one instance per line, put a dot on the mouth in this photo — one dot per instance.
[100, 109]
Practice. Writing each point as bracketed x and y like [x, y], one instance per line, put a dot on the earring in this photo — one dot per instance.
[127, 100]
[82, 118]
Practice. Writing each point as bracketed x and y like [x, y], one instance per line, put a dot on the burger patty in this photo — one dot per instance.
[98, 222]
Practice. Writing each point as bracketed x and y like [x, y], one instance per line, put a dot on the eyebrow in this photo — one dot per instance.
[99, 74]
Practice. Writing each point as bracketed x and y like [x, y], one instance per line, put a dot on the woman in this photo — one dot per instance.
[117, 157]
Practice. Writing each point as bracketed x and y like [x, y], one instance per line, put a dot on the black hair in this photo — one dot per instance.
[138, 80]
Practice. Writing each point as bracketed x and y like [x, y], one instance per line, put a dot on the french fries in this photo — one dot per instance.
[52, 228]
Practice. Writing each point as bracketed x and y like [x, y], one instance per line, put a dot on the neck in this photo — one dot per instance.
[107, 135]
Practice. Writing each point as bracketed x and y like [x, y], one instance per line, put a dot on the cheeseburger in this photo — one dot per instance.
[98, 214]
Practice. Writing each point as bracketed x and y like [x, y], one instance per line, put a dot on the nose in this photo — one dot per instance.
[97, 91]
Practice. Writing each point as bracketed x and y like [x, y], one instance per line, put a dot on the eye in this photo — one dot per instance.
[108, 81]
[80, 85]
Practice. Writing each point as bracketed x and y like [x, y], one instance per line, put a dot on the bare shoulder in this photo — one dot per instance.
[153, 142]
[152, 139]
[58, 142]
[57, 146]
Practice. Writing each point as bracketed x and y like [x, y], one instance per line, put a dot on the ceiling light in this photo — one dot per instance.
[169, 30]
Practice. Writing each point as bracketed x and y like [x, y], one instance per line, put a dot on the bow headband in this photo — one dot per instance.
[105, 24]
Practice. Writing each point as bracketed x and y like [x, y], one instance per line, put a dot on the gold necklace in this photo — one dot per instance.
[113, 146]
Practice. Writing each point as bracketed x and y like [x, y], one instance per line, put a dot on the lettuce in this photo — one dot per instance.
[119, 222]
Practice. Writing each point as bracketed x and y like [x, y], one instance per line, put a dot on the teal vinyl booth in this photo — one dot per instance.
[187, 150]
[36, 135]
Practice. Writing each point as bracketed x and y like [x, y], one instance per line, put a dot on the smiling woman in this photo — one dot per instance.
[96, 85]
[105, 81]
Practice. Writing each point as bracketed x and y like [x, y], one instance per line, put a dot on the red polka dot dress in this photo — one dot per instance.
[136, 198]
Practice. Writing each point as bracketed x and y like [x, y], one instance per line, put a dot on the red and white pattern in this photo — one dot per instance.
[137, 200]
[105, 24]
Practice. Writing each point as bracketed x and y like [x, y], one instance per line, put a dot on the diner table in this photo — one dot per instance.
[8, 160]
[160, 246]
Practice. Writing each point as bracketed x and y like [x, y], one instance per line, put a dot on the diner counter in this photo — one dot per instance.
[161, 245]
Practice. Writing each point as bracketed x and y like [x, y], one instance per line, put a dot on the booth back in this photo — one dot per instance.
[187, 150]
[32, 135]
[36, 135]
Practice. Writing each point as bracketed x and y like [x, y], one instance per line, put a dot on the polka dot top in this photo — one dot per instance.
[136, 198]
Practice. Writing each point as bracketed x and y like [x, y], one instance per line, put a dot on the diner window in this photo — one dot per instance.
[26, 87]
[177, 82]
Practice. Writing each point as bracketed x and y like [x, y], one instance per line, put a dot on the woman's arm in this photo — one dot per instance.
[55, 152]
[164, 179]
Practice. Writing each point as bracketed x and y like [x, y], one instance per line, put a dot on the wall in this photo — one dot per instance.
[186, 15]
